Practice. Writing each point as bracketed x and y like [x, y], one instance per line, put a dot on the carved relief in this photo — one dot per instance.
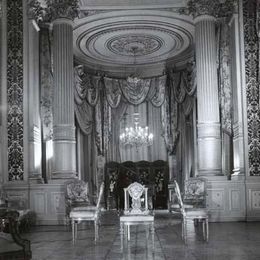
[15, 90]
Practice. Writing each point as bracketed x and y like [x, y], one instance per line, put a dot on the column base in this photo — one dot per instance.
[209, 172]
[238, 174]
[36, 179]
[60, 177]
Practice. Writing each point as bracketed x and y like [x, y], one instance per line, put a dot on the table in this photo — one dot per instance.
[128, 220]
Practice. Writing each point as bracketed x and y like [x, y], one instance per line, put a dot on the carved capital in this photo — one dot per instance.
[216, 8]
[62, 9]
[35, 10]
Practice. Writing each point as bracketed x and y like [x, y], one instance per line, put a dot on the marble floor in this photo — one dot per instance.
[227, 241]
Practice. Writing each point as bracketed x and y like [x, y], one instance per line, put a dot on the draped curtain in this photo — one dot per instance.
[101, 104]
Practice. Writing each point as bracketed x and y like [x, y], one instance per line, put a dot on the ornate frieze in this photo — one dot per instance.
[15, 90]
[216, 8]
[62, 9]
[252, 84]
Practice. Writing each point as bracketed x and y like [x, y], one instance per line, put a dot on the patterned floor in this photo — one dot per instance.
[228, 241]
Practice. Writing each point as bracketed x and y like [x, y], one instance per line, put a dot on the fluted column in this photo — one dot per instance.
[209, 140]
[208, 126]
[64, 141]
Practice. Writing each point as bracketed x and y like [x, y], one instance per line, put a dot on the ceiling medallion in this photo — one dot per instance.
[143, 45]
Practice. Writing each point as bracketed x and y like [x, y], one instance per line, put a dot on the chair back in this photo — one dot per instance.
[135, 191]
[101, 190]
[77, 191]
[178, 194]
[195, 191]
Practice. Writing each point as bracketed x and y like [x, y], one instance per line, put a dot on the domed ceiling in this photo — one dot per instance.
[120, 42]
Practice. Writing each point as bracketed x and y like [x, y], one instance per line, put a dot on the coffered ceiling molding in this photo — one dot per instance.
[126, 4]
[119, 42]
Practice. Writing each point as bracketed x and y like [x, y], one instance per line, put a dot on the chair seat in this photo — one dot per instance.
[196, 213]
[83, 214]
[82, 208]
[177, 206]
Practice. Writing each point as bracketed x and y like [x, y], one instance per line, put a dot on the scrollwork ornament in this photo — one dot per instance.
[216, 8]
[62, 9]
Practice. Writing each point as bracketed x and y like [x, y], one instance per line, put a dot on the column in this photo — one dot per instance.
[208, 124]
[64, 140]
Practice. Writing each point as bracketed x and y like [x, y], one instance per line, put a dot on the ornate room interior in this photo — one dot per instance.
[117, 92]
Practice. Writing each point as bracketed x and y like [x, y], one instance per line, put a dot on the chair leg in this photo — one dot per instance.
[207, 230]
[203, 228]
[185, 231]
[152, 234]
[122, 236]
[96, 230]
[73, 231]
[128, 233]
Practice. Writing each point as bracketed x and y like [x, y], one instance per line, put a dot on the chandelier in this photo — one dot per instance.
[136, 135]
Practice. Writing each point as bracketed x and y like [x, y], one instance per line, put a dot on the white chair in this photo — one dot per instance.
[136, 212]
[194, 214]
[87, 213]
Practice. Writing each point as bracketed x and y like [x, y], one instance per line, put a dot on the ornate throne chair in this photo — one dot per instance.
[136, 212]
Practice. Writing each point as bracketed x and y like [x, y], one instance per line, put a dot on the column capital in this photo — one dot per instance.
[215, 8]
[35, 10]
[62, 9]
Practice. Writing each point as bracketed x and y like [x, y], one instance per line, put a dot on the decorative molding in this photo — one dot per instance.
[62, 9]
[134, 45]
[216, 8]
[15, 90]
[252, 84]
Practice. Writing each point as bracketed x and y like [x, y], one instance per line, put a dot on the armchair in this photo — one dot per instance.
[87, 213]
[194, 214]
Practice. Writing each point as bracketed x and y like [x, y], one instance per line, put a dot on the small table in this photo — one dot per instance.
[128, 220]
